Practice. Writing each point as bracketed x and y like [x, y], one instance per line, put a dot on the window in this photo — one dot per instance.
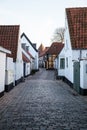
[24, 46]
[67, 62]
[62, 63]
[86, 68]
[86, 55]
[27, 48]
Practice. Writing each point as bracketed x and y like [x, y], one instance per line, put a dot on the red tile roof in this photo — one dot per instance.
[77, 22]
[30, 55]
[25, 59]
[55, 48]
[9, 35]
[44, 51]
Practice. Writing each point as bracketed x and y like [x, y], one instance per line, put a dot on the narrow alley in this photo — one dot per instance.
[43, 103]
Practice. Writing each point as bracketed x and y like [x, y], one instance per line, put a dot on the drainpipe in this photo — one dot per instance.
[80, 56]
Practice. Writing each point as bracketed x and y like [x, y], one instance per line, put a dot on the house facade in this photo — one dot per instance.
[75, 49]
[9, 74]
[41, 49]
[43, 57]
[10, 39]
[26, 63]
[30, 48]
[3, 52]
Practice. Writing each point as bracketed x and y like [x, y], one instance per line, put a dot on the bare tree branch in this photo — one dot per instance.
[58, 35]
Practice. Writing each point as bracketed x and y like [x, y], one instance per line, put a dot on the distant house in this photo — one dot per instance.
[42, 57]
[51, 54]
[3, 53]
[10, 39]
[75, 49]
[30, 48]
[41, 49]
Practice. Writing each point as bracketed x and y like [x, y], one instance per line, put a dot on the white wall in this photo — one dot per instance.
[32, 64]
[36, 61]
[83, 74]
[68, 54]
[55, 63]
[9, 75]
[2, 71]
[61, 72]
[19, 62]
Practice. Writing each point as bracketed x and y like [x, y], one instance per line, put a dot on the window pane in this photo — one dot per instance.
[67, 62]
[62, 63]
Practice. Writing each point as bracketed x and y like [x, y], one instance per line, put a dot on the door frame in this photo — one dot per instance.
[76, 76]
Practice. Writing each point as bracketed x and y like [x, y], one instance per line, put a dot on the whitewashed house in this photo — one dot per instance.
[10, 39]
[61, 64]
[75, 49]
[52, 53]
[26, 63]
[9, 74]
[31, 49]
[3, 52]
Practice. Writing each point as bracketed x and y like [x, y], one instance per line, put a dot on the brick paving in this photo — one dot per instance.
[43, 103]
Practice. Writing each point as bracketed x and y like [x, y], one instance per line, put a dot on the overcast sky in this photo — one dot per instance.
[37, 18]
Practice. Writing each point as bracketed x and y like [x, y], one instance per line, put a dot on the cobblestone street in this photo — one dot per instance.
[43, 103]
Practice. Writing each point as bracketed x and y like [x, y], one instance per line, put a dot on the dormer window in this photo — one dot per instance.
[27, 48]
[24, 46]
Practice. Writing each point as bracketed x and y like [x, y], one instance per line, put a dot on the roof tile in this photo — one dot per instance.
[9, 39]
[25, 59]
[77, 22]
[44, 52]
[55, 48]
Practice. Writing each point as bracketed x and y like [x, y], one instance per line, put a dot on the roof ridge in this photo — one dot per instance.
[23, 34]
[9, 35]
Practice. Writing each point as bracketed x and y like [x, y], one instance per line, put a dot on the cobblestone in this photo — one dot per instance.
[43, 103]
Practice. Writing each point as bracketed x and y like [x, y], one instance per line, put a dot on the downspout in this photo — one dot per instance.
[80, 56]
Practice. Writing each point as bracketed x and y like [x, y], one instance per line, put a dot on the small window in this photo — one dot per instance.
[24, 46]
[86, 68]
[27, 48]
[67, 62]
[62, 63]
